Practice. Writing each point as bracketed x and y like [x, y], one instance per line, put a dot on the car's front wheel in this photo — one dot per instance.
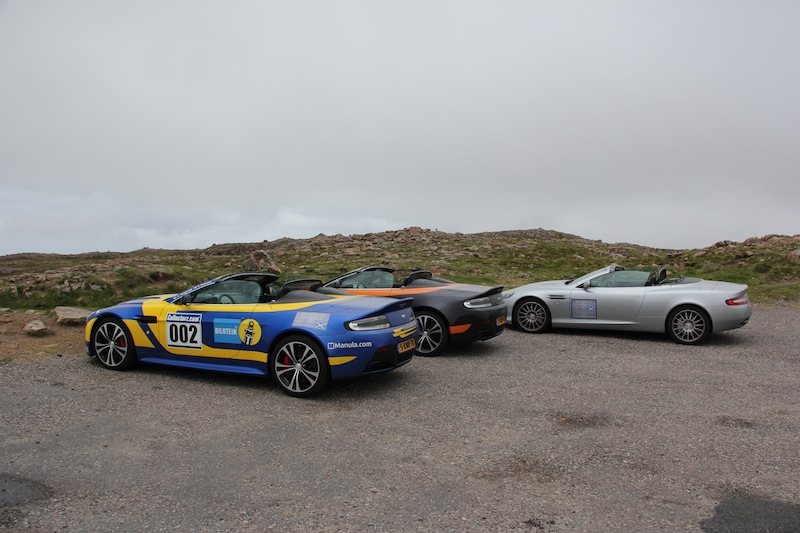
[112, 345]
[532, 316]
[434, 335]
[688, 324]
[299, 366]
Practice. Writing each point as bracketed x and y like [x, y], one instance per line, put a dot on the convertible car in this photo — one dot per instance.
[447, 312]
[302, 335]
[687, 309]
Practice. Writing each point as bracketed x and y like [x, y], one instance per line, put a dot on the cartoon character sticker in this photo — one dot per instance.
[249, 332]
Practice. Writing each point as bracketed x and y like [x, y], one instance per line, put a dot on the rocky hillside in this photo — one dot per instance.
[769, 264]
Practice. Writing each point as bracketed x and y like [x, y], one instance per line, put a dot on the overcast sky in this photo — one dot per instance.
[184, 123]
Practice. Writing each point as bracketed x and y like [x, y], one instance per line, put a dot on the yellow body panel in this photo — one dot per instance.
[334, 361]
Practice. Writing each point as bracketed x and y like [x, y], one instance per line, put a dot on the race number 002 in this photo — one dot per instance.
[184, 335]
[184, 332]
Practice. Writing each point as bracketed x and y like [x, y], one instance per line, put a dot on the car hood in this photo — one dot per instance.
[135, 303]
[140, 300]
[556, 284]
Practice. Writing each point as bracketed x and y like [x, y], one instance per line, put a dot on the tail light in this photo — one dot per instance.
[739, 300]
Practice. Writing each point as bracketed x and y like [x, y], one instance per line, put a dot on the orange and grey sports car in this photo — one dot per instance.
[447, 312]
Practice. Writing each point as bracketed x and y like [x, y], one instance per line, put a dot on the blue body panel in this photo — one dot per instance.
[239, 336]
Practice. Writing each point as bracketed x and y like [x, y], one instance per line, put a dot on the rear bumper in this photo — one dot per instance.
[378, 351]
[388, 359]
[730, 316]
[479, 325]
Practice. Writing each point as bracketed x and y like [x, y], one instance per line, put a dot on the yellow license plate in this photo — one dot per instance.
[501, 320]
[405, 346]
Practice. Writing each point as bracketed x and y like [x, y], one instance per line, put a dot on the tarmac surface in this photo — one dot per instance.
[565, 431]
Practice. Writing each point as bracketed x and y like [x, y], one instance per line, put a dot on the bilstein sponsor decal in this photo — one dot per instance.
[227, 330]
[237, 331]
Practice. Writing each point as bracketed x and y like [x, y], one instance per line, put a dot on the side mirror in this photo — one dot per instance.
[585, 285]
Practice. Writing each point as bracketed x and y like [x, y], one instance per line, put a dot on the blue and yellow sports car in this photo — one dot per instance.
[301, 334]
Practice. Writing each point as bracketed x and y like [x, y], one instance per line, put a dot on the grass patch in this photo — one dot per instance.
[512, 258]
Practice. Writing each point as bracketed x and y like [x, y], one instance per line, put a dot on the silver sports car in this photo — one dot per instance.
[688, 309]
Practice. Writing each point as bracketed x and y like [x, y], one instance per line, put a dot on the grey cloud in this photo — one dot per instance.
[180, 124]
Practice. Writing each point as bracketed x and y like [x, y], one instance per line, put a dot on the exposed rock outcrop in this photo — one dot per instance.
[36, 328]
[71, 316]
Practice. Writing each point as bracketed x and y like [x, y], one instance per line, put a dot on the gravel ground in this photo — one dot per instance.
[570, 431]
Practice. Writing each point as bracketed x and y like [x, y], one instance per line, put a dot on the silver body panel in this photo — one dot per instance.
[579, 304]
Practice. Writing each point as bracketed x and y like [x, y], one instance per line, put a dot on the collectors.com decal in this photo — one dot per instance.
[184, 330]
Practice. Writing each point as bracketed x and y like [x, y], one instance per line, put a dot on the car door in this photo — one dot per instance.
[608, 299]
[212, 322]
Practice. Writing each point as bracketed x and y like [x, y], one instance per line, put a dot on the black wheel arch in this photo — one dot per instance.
[433, 311]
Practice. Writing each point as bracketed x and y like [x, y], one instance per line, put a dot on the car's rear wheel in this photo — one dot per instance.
[688, 324]
[531, 315]
[112, 344]
[299, 366]
[434, 335]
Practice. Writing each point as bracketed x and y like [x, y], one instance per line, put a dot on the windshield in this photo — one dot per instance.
[578, 281]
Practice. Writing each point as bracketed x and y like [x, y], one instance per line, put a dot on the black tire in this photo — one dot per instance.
[532, 316]
[113, 345]
[299, 366]
[434, 333]
[688, 324]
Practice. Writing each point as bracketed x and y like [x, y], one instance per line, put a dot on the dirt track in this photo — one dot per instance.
[556, 432]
